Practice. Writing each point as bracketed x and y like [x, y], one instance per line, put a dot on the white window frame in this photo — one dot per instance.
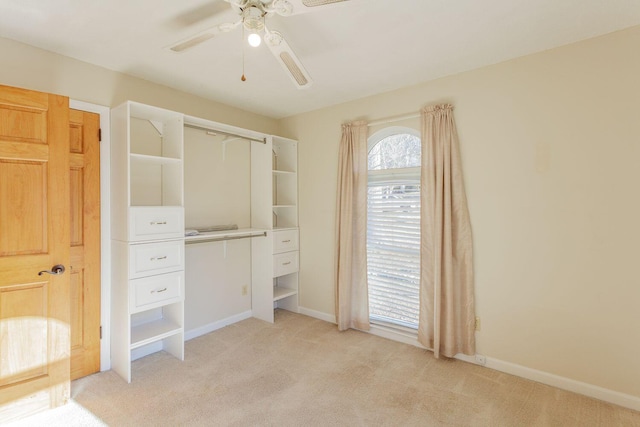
[384, 175]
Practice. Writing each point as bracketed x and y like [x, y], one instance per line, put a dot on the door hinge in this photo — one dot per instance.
[100, 332]
[99, 135]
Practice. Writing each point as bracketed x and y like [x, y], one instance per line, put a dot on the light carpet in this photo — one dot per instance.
[301, 371]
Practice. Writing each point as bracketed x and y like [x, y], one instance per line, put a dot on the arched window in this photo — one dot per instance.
[393, 227]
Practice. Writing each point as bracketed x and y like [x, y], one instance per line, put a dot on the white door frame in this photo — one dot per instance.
[105, 226]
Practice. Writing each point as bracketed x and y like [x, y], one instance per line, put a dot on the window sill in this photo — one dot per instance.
[396, 333]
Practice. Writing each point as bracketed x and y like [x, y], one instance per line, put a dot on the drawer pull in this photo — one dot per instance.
[161, 290]
[286, 263]
[286, 241]
[158, 258]
[158, 223]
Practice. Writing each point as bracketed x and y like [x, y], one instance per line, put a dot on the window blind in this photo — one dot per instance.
[393, 249]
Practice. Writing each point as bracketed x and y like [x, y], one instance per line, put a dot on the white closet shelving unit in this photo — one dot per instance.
[147, 222]
[276, 202]
[147, 234]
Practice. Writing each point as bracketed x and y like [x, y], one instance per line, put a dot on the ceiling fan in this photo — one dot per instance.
[253, 14]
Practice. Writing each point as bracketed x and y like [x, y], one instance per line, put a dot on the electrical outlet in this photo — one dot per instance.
[244, 290]
[478, 323]
[481, 360]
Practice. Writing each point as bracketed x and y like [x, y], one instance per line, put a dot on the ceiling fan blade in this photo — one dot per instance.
[200, 13]
[294, 7]
[203, 36]
[289, 61]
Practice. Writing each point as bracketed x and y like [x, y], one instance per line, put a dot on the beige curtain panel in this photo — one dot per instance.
[352, 299]
[447, 313]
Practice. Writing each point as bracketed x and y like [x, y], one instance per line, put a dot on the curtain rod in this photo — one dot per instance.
[189, 125]
[393, 119]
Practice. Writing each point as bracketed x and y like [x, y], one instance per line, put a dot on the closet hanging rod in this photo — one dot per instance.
[224, 238]
[189, 125]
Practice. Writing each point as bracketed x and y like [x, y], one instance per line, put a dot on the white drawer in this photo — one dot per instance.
[151, 223]
[156, 258]
[285, 263]
[156, 291]
[285, 241]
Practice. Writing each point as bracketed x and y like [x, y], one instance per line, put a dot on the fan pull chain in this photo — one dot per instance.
[243, 78]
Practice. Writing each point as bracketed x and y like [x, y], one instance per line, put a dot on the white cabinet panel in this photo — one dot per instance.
[156, 291]
[156, 258]
[153, 223]
[285, 263]
[285, 241]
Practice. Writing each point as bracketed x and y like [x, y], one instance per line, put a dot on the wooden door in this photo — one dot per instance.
[84, 148]
[34, 236]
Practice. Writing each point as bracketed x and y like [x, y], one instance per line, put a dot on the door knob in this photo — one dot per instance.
[56, 270]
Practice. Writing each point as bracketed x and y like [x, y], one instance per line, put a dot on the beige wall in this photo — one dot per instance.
[551, 155]
[32, 68]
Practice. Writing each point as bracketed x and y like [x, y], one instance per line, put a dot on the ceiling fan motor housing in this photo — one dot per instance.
[253, 14]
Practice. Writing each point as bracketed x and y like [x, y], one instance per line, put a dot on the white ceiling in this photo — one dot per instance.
[352, 49]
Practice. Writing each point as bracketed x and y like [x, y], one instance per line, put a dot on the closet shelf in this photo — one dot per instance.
[154, 159]
[283, 206]
[281, 293]
[147, 333]
[284, 228]
[279, 172]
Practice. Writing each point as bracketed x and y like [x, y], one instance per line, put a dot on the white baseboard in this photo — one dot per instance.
[317, 315]
[590, 390]
[611, 396]
[202, 330]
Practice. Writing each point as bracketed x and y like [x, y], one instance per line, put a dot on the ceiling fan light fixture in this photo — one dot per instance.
[254, 39]
[253, 14]
[253, 18]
